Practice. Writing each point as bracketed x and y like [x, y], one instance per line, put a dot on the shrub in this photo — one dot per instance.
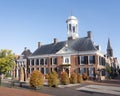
[84, 76]
[53, 80]
[79, 78]
[46, 76]
[73, 78]
[8, 75]
[36, 79]
[64, 78]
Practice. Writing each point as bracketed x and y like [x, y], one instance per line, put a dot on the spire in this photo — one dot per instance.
[109, 45]
[109, 49]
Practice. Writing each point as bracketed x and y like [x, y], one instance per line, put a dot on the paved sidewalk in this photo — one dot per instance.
[4, 91]
[101, 89]
[111, 82]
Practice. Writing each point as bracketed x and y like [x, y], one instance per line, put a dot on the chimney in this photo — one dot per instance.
[89, 34]
[39, 44]
[55, 40]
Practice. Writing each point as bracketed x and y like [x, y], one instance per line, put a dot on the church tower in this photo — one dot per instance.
[109, 49]
[72, 27]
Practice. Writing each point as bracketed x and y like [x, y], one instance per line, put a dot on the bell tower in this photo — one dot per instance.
[72, 27]
[109, 49]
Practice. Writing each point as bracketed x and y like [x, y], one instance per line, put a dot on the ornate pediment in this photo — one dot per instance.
[65, 50]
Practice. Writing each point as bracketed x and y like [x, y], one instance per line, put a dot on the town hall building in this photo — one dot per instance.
[76, 54]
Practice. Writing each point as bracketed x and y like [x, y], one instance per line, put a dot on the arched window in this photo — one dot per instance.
[67, 60]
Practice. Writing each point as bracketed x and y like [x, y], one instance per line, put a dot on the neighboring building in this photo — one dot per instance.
[113, 62]
[79, 55]
[21, 70]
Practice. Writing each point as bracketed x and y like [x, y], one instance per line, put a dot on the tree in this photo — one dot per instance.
[108, 68]
[109, 71]
[6, 61]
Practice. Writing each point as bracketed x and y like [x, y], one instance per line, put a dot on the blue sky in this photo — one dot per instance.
[23, 23]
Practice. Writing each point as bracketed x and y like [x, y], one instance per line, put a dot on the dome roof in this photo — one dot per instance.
[72, 18]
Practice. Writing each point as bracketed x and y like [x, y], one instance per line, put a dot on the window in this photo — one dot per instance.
[102, 61]
[66, 60]
[78, 59]
[84, 60]
[103, 72]
[32, 69]
[70, 27]
[42, 70]
[55, 69]
[46, 61]
[37, 62]
[73, 29]
[33, 62]
[81, 71]
[54, 60]
[42, 61]
[47, 70]
[91, 72]
[37, 68]
[92, 59]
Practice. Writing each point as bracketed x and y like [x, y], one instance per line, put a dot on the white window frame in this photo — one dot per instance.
[91, 72]
[81, 60]
[81, 71]
[53, 58]
[64, 60]
[89, 60]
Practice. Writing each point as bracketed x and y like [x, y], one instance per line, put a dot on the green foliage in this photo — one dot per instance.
[36, 79]
[84, 76]
[53, 80]
[79, 78]
[8, 75]
[108, 68]
[64, 78]
[73, 78]
[6, 61]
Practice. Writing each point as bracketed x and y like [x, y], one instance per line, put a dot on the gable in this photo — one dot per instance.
[65, 50]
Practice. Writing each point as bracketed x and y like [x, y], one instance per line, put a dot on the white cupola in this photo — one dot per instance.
[72, 27]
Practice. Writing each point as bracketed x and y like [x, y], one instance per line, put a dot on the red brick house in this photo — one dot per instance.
[76, 54]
